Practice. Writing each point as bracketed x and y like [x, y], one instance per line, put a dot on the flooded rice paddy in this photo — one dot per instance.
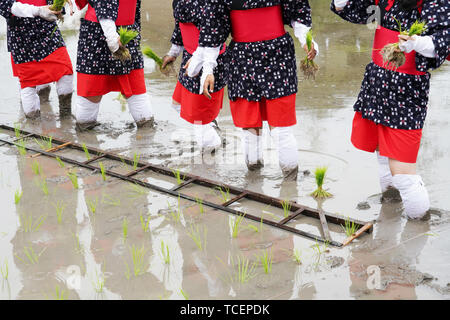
[97, 239]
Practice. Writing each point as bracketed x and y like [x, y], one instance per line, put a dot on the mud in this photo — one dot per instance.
[87, 256]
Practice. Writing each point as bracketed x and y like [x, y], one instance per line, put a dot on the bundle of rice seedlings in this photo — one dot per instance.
[147, 51]
[57, 6]
[319, 193]
[309, 67]
[126, 35]
[392, 56]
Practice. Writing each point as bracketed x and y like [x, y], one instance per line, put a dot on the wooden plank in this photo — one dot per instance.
[62, 146]
[292, 216]
[365, 228]
[233, 200]
[323, 222]
[182, 185]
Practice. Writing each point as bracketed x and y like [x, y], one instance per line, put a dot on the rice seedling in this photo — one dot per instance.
[126, 35]
[99, 282]
[350, 227]
[28, 225]
[144, 223]
[17, 131]
[92, 205]
[297, 256]
[44, 187]
[61, 164]
[31, 255]
[165, 252]
[266, 259]
[175, 214]
[200, 205]
[137, 190]
[73, 178]
[136, 157]
[102, 170]
[59, 294]
[225, 193]
[58, 5]
[184, 294]
[36, 168]
[392, 55]
[4, 270]
[198, 235]
[86, 151]
[309, 67]
[124, 228]
[21, 147]
[139, 262]
[178, 176]
[78, 245]
[147, 51]
[253, 228]
[235, 223]
[286, 205]
[45, 143]
[17, 196]
[59, 207]
[245, 270]
[319, 193]
[107, 199]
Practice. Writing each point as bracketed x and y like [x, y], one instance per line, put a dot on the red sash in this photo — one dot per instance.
[259, 24]
[191, 35]
[34, 2]
[391, 3]
[385, 36]
[126, 17]
[81, 3]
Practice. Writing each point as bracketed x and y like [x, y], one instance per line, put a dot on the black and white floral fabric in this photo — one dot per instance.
[30, 39]
[191, 11]
[393, 99]
[93, 56]
[264, 69]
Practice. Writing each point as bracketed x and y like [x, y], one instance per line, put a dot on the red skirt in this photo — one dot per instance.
[251, 114]
[397, 144]
[92, 85]
[196, 108]
[50, 69]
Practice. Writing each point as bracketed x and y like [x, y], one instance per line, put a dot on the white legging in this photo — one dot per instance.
[285, 140]
[414, 195]
[139, 106]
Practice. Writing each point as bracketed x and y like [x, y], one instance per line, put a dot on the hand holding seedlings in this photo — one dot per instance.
[307, 65]
[162, 63]
[126, 35]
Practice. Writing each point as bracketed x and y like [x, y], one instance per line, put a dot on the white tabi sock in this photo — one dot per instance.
[414, 194]
[30, 100]
[207, 137]
[253, 148]
[140, 108]
[384, 172]
[285, 140]
[87, 111]
[64, 85]
[177, 108]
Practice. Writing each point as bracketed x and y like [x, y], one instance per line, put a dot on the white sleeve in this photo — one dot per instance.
[340, 3]
[421, 44]
[23, 10]
[205, 58]
[110, 30]
[300, 31]
[175, 50]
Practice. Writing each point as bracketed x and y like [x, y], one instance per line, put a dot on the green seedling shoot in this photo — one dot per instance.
[107, 199]
[136, 157]
[245, 270]
[36, 168]
[4, 270]
[86, 151]
[198, 235]
[286, 205]
[235, 223]
[60, 294]
[73, 178]
[147, 51]
[32, 257]
[139, 262]
[178, 176]
[17, 196]
[125, 229]
[92, 205]
[145, 223]
[165, 252]
[320, 193]
[309, 67]
[17, 130]
[44, 187]
[28, 225]
[59, 207]
[225, 193]
[266, 258]
[350, 227]
[102, 170]
[61, 164]
[200, 205]
[184, 294]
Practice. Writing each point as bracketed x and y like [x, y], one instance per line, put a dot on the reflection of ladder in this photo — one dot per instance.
[296, 210]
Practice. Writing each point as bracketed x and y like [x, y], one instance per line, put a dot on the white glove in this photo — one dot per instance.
[110, 31]
[340, 4]
[210, 56]
[23, 10]
[45, 13]
[421, 44]
[300, 31]
[175, 50]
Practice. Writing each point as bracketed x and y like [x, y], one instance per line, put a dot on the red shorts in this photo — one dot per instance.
[251, 114]
[196, 108]
[397, 144]
[92, 85]
[50, 69]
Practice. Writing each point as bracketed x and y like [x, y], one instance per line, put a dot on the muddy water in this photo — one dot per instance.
[86, 255]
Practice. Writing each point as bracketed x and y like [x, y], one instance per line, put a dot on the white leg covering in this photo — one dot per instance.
[176, 107]
[65, 85]
[87, 111]
[140, 107]
[41, 87]
[384, 172]
[253, 149]
[414, 194]
[288, 155]
[30, 100]
[207, 137]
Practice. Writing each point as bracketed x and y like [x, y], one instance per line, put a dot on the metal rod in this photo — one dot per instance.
[182, 185]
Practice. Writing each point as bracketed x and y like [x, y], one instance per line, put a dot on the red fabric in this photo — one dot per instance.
[196, 108]
[260, 24]
[391, 3]
[191, 35]
[34, 2]
[81, 3]
[397, 144]
[385, 36]
[448, 58]
[126, 17]
[277, 112]
[90, 85]
[48, 70]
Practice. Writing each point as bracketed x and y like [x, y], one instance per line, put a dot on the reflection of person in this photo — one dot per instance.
[38, 54]
[188, 100]
[262, 84]
[392, 105]
[99, 72]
